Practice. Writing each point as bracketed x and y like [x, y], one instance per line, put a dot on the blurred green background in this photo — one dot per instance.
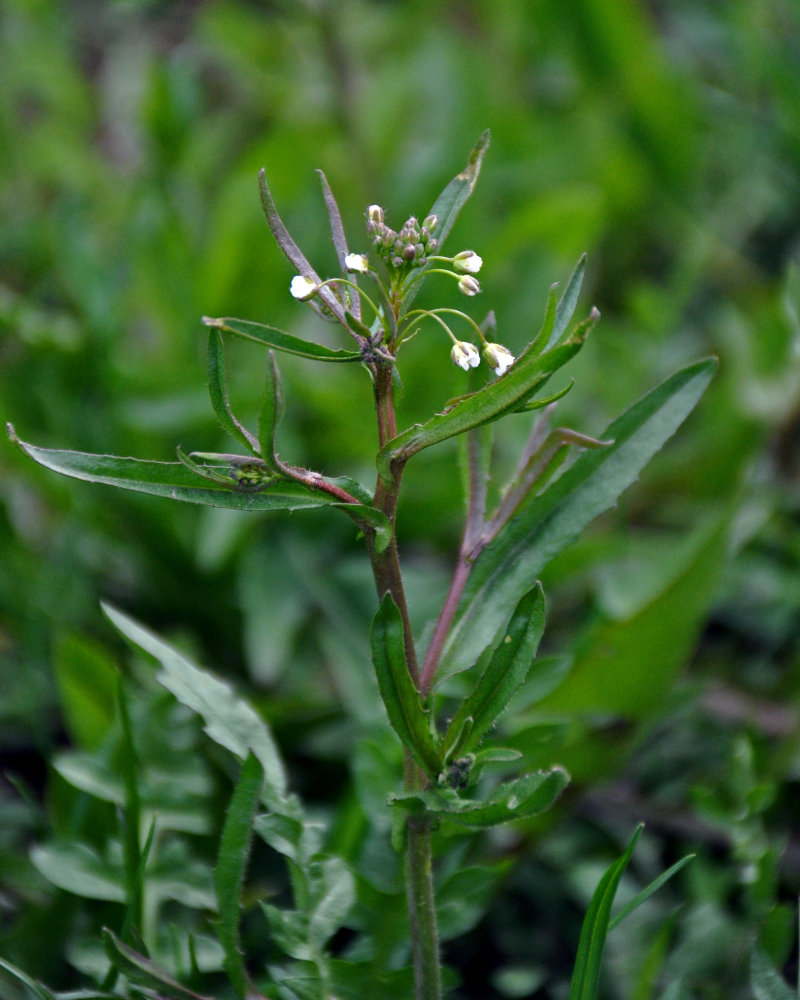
[661, 138]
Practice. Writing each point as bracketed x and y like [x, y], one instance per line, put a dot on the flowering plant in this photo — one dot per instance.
[443, 694]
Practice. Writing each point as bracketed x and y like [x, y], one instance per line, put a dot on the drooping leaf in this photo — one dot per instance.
[140, 969]
[588, 962]
[512, 562]
[401, 698]
[234, 850]
[279, 340]
[218, 391]
[529, 373]
[505, 672]
[229, 721]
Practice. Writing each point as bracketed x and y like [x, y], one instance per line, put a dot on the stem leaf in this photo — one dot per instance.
[512, 562]
[567, 303]
[271, 336]
[401, 698]
[270, 411]
[455, 195]
[142, 970]
[218, 391]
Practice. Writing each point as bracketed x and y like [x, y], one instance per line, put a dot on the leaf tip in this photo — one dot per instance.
[210, 321]
[12, 434]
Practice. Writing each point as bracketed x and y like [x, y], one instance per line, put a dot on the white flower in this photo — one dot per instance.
[498, 357]
[468, 285]
[467, 262]
[465, 355]
[356, 262]
[302, 288]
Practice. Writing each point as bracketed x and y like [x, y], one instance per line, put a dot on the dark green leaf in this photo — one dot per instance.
[504, 395]
[510, 565]
[567, 303]
[234, 850]
[505, 672]
[648, 891]
[401, 698]
[542, 338]
[270, 411]
[279, 340]
[229, 721]
[140, 969]
[218, 391]
[586, 973]
[450, 202]
[38, 989]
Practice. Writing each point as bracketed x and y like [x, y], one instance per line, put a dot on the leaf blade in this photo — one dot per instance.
[279, 340]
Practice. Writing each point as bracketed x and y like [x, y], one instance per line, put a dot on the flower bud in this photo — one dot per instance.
[375, 213]
[468, 285]
[430, 222]
[302, 288]
[467, 262]
[356, 262]
[465, 355]
[498, 357]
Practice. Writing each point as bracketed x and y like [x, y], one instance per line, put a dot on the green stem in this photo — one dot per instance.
[419, 855]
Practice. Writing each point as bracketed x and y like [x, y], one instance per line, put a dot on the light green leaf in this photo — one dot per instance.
[506, 394]
[586, 974]
[765, 980]
[567, 303]
[79, 869]
[280, 340]
[505, 672]
[401, 698]
[510, 565]
[229, 721]
[234, 850]
[332, 897]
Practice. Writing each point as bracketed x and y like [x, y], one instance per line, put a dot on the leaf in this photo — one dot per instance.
[270, 412]
[647, 892]
[279, 340]
[505, 673]
[512, 562]
[586, 974]
[87, 682]
[518, 799]
[332, 898]
[764, 978]
[567, 303]
[80, 870]
[450, 202]
[229, 721]
[234, 850]
[140, 969]
[337, 227]
[38, 989]
[504, 395]
[401, 698]
[218, 391]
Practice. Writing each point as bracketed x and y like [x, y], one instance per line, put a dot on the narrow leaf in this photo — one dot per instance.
[401, 698]
[38, 989]
[261, 333]
[140, 969]
[586, 974]
[542, 338]
[270, 411]
[506, 394]
[453, 198]
[229, 721]
[506, 671]
[218, 390]
[337, 231]
[567, 302]
[512, 562]
[648, 891]
[229, 873]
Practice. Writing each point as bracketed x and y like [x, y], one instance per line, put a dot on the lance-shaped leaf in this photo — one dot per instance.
[140, 969]
[505, 672]
[271, 336]
[218, 390]
[586, 974]
[408, 718]
[512, 562]
[513, 390]
[270, 412]
[518, 799]
[567, 303]
[453, 198]
[234, 850]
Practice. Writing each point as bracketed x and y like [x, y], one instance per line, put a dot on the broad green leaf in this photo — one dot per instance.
[463, 898]
[453, 198]
[513, 800]
[270, 411]
[512, 562]
[234, 850]
[764, 978]
[229, 721]
[504, 395]
[140, 969]
[87, 681]
[586, 973]
[283, 833]
[505, 672]
[79, 869]
[218, 391]
[401, 698]
[289, 930]
[332, 897]
[279, 340]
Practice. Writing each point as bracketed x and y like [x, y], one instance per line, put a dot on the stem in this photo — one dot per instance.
[419, 854]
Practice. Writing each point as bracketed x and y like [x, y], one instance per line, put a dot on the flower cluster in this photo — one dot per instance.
[410, 247]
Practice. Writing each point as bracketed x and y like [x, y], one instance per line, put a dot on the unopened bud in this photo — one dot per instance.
[468, 285]
[465, 355]
[375, 213]
[498, 357]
